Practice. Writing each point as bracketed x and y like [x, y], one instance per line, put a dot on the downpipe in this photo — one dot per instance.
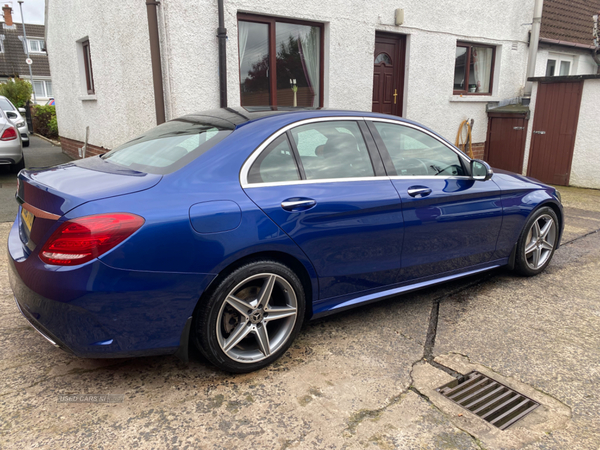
[222, 36]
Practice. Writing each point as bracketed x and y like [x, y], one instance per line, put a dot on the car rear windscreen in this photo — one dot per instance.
[168, 147]
[5, 105]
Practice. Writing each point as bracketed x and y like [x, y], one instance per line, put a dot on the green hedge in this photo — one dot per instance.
[44, 120]
[17, 91]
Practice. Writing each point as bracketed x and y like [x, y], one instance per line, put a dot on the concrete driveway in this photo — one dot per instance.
[361, 379]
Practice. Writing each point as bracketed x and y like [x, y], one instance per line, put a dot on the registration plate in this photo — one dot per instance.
[27, 218]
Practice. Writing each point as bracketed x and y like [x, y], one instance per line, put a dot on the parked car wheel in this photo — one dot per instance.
[537, 243]
[16, 168]
[25, 143]
[251, 317]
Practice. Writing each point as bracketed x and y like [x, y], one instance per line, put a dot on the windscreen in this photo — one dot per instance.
[168, 147]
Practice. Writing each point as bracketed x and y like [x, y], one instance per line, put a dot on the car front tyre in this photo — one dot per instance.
[25, 143]
[537, 242]
[251, 318]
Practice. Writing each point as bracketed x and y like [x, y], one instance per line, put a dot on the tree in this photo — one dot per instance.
[17, 91]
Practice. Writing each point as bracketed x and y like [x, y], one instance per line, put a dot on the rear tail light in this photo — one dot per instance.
[80, 240]
[9, 134]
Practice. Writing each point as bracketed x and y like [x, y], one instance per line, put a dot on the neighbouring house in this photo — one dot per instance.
[563, 143]
[438, 63]
[13, 55]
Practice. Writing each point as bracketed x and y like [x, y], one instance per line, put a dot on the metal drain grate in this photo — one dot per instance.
[488, 399]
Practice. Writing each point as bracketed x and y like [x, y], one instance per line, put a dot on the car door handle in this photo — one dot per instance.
[298, 204]
[419, 191]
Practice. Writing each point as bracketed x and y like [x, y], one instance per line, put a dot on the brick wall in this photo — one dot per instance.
[478, 149]
[70, 147]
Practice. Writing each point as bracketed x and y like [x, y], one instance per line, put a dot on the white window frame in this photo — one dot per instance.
[560, 58]
[40, 42]
[44, 88]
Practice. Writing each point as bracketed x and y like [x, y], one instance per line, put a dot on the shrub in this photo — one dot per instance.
[44, 120]
[17, 91]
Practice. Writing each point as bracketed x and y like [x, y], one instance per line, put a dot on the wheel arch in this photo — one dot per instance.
[309, 283]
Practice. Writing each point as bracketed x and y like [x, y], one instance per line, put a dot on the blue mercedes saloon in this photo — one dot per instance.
[228, 229]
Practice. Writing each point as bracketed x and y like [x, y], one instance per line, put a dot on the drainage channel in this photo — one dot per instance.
[488, 399]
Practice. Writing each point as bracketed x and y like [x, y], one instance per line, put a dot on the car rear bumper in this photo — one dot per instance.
[11, 152]
[96, 311]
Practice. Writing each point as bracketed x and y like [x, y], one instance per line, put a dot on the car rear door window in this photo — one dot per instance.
[275, 164]
[415, 153]
[334, 149]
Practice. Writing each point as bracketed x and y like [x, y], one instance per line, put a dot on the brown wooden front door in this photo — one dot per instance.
[505, 143]
[388, 73]
[554, 129]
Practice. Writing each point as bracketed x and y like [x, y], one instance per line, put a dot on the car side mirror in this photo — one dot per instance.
[22, 110]
[480, 170]
[11, 115]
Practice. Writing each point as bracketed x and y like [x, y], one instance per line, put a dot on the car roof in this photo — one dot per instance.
[235, 117]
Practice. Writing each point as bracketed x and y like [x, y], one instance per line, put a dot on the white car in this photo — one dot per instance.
[14, 115]
[11, 150]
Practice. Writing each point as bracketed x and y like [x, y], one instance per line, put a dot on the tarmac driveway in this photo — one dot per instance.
[361, 379]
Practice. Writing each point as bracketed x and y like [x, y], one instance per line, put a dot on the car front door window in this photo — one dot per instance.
[414, 153]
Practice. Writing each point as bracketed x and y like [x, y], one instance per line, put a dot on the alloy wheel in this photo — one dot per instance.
[257, 318]
[541, 240]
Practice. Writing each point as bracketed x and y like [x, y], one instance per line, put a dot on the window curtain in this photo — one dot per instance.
[243, 29]
[482, 65]
[310, 50]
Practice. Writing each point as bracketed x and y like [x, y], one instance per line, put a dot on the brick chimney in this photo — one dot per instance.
[7, 10]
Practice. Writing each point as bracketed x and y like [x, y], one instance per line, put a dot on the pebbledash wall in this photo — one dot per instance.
[123, 104]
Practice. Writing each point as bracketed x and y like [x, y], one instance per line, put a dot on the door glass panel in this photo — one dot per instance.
[254, 63]
[275, 163]
[550, 65]
[298, 64]
[383, 58]
[415, 153]
[332, 150]
[565, 67]
[460, 68]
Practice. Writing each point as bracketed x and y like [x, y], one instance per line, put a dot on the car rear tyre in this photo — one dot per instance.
[16, 168]
[251, 317]
[537, 242]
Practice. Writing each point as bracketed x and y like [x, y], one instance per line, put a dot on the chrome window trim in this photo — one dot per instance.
[322, 180]
[256, 153]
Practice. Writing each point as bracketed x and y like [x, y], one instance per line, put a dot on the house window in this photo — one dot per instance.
[280, 62]
[473, 69]
[87, 63]
[558, 65]
[42, 88]
[35, 45]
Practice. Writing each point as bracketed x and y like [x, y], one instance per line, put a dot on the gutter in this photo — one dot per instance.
[157, 78]
[222, 36]
[566, 43]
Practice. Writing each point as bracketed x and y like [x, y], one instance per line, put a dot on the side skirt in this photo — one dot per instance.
[327, 308]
